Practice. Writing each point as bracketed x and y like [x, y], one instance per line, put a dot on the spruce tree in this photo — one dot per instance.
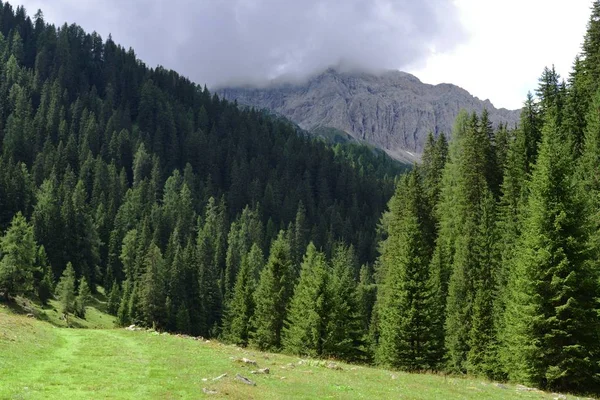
[208, 273]
[482, 355]
[345, 332]
[272, 296]
[114, 298]
[552, 326]
[123, 317]
[508, 228]
[366, 292]
[305, 326]
[83, 298]
[468, 262]
[410, 331]
[65, 290]
[18, 251]
[45, 288]
[236, 326]
[153, 288]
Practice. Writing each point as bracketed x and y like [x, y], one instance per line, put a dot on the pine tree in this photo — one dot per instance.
[552, 326]
[123, 317]
[410, 331]
[471, 191]
[481, 358]
[446, 211]
[114, 298]
[366, 292]
[591, 52]
[208, 273]
[588, 172]
[530, 125]
[305, 327]
[345, 332]
[83, 298]
[241, 308]
[509, 227]
[153, 288]
[18, 251]
[45, 288]
[66, 290]
[272, 296]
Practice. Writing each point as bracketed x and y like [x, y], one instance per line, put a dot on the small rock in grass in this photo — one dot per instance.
[131, 328]
[501, 386]
[522, 388]
[209, 391]
[220, 377]
[30, 315]
[393, 376]
[244, 380]
[247, 361]
[261, 371]
[559, 396]
[334, 366]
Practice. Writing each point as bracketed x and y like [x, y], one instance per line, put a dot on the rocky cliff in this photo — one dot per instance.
[393, 110]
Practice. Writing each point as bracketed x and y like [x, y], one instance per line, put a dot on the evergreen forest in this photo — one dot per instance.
[208, 219]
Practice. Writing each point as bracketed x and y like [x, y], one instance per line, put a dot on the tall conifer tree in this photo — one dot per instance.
[552, 326]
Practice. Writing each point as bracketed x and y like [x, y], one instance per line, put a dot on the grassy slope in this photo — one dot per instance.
[41, 361]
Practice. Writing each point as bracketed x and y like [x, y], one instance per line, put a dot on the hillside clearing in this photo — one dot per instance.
[41, 361]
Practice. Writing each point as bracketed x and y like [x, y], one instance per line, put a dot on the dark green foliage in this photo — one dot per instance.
[552, 324]
[305, 327]
[65, 290]
[366, 292]
[139, 180]
[114, 298]
[83, 298]
[45, 287]
[272, 296]
[470, 261]
[241, 307]
[345, 329]
[410, 305]
[481, 359]
[18, 252]
[153, 288]
[123, 317]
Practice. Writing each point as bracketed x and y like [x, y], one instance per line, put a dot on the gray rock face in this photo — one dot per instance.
[393, 110]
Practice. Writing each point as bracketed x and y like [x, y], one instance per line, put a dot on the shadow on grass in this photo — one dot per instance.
[25, 306]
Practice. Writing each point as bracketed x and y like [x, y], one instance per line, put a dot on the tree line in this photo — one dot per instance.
[203, 218]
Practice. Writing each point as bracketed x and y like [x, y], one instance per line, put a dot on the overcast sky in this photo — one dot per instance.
[496, 49]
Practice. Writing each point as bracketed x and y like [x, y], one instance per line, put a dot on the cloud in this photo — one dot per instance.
[234, 41]
[510, 42]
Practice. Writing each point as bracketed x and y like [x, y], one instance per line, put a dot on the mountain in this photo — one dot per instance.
[393, 110]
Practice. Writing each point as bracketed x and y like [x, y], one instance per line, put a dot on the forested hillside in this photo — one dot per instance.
[143, 182]
[203, 218]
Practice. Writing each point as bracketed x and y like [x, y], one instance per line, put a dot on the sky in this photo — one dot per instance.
[495, 49]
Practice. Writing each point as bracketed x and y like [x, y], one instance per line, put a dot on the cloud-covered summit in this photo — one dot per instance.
[251, 41]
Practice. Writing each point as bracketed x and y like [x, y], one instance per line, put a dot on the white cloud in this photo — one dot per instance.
[215, 41]
[249, 41]
[511, 41]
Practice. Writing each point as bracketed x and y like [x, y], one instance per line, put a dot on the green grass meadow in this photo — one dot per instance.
[42, 359]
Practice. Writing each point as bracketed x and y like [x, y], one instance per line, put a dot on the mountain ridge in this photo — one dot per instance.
[392, 110]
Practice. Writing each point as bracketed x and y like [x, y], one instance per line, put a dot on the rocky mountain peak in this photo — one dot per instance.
[392, 110]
